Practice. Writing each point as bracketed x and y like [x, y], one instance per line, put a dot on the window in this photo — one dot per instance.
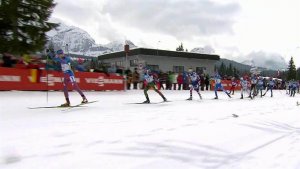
[134, 63]
[153, 67]
[178, 69]
[119, 63]
[200, 70]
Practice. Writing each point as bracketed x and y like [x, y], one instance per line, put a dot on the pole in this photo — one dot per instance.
[157, 47]
[126, 49]
[46, 76]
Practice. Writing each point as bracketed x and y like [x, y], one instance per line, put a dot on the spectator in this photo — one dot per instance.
[135, 78]
[206, 82]
[128, 78]
[119, 71]
[179, 81]
[202, 82]
[173, 80]
[168, 81]
[8, 60]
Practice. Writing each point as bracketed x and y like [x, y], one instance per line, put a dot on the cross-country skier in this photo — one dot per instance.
[194, 83]
[150, 82]
[233, 85]
[260, 85]
[65, 62]
[218, 85]
[244, 87]
[253, 81]
[270, 86]
[293, 87]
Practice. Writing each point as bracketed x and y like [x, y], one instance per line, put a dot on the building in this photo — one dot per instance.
[161, 60]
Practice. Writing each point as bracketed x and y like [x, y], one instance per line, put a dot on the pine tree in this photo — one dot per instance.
[292, 72]
[222, 69]
[229, 70]
[180, 47]
[24, 24]
[235, 72]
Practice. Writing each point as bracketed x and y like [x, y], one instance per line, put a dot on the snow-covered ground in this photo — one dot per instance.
[116, 134]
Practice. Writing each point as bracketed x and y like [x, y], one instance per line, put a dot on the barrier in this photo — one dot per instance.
[33, 79]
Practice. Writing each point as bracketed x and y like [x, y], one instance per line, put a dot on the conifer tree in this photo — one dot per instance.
[180, 47]
[292, 72]
[24, 24]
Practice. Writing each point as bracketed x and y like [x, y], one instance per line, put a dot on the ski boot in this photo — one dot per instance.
[190, 98]
[67, 104]
[147, 101]
[84, 100]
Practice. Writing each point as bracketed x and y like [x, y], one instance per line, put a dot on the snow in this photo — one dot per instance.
[114, 133]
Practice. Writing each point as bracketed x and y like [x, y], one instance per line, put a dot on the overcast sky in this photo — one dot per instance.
[234, 28]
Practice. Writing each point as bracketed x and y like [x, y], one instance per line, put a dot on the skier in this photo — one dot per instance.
[194, 83]
[270, 86]
[260, 85]
[293, 87]
[149, 81]
[218, 85]
[244, 87]
[253, 82]
[233, 85]
[65, 62]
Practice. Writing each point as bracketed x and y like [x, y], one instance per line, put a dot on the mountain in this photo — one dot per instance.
[239, 66]
[261, 59]
[203, 50]
[77, 41]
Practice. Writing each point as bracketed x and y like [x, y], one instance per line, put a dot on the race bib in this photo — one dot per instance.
[65, 67]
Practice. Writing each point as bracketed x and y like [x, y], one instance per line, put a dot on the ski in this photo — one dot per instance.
[151, 102]
[58, 107]
[79, 105]
[62, 107]
[87, 103]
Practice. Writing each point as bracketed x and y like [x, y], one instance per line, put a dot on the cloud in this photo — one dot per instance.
[182, 19]
[87, 15]
[267, 60]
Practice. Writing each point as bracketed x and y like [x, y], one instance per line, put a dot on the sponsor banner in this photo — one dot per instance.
[33, 79]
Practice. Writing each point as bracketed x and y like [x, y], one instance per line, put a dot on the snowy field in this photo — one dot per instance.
[114, 133]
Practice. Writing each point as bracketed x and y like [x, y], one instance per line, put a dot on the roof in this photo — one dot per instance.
[157, 52]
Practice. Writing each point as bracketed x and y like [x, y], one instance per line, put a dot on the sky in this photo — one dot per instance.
[235, 29]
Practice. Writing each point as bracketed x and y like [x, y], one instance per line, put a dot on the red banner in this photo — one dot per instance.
[33, 79]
